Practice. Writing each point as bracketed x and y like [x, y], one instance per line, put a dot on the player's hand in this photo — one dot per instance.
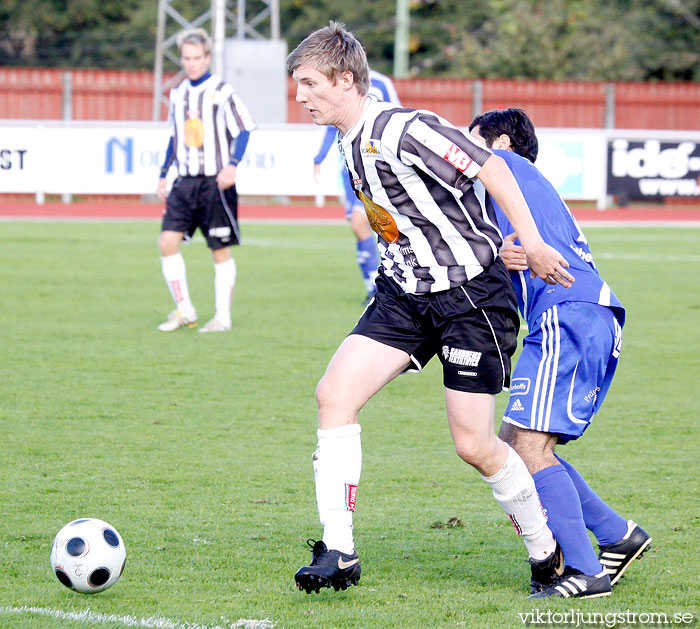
[513, 255]
[549, 265]
[317, 173]
[226, 177]
[162, 189]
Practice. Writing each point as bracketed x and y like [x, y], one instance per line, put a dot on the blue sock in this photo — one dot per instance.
[368, 259]
[564, 517]
[601, 519]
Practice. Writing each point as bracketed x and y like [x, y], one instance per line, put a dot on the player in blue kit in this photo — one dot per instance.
[565, 369]
[383, 89]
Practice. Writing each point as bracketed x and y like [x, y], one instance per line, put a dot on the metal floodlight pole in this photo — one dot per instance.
[158, 68]
[401, 39]
[218, 30]
[217, 15]
[274, 19]
[240, 22]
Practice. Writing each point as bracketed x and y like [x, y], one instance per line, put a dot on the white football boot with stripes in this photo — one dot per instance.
[616, 557]
[574, 584]
[216, 325]
[177, 320]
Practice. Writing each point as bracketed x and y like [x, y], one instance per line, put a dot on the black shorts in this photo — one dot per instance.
[197, 202]
[472, 328]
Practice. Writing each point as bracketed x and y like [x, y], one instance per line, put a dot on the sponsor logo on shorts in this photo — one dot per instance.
[471, 374]
[517, 405]
[462, 357]
[591, 396]
[350, 496]
[357, 183]
[220, 232]
[520, 385]
[617, 345]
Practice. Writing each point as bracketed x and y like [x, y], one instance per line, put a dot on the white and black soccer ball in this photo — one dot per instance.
[88, 555]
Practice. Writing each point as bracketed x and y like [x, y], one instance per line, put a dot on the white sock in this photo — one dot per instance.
[514, 489]
[224, 281]
[174, 273]
[337, 466]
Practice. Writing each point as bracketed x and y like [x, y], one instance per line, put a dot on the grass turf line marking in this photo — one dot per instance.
[96, 618]
[645, 257]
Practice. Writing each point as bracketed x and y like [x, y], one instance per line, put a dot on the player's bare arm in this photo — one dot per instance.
[544, 261]
[162, 189]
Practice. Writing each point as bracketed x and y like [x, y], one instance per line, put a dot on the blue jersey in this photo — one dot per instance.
[381, 87]
[559, 229]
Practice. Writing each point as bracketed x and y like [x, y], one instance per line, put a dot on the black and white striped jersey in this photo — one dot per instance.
[415, 173]
[205, 120]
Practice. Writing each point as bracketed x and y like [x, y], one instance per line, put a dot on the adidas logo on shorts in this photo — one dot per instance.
[517, 406]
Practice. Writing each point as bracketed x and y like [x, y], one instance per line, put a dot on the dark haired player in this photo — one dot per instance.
[568, 360]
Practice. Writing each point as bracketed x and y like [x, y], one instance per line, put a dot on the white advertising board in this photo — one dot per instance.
[43, 157]
[573, 161]
[115, 158]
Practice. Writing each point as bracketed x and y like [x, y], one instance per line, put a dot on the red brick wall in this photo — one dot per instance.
[35, 93]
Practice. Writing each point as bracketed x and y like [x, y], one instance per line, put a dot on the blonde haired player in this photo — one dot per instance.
[209, 130]
[442, 290]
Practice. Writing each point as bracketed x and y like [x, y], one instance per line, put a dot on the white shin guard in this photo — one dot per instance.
[224, 281]
[337, 466]
[514, 489]
[176, 277]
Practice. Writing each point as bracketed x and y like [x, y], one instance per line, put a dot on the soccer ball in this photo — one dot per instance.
[88, 555]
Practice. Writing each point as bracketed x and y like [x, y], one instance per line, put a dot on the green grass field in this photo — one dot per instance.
[198, 447]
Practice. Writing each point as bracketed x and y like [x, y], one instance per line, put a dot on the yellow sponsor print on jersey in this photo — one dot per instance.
[379, 219]
[371, 147]
[194, 133]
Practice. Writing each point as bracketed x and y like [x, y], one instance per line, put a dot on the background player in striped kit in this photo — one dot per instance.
[441, 289]
[561, 378]
[381, 87]
[209, 127]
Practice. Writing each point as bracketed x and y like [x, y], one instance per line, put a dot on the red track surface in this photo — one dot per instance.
[131, 210]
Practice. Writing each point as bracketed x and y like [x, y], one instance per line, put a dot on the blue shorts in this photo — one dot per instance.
[565, 369]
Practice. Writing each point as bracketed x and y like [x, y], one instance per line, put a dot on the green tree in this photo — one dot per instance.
[558, 39]
[536, 39]
[77, 33]
[372, 22]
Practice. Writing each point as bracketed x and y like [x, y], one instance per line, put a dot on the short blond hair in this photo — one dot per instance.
[195, 36]
[333, 50]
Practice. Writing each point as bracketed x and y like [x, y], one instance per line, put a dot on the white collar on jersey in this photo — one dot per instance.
[355, 129]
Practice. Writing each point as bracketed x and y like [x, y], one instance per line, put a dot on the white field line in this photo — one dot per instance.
[602, 255]
[157, 622]
[646, 257]
[680, 224]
